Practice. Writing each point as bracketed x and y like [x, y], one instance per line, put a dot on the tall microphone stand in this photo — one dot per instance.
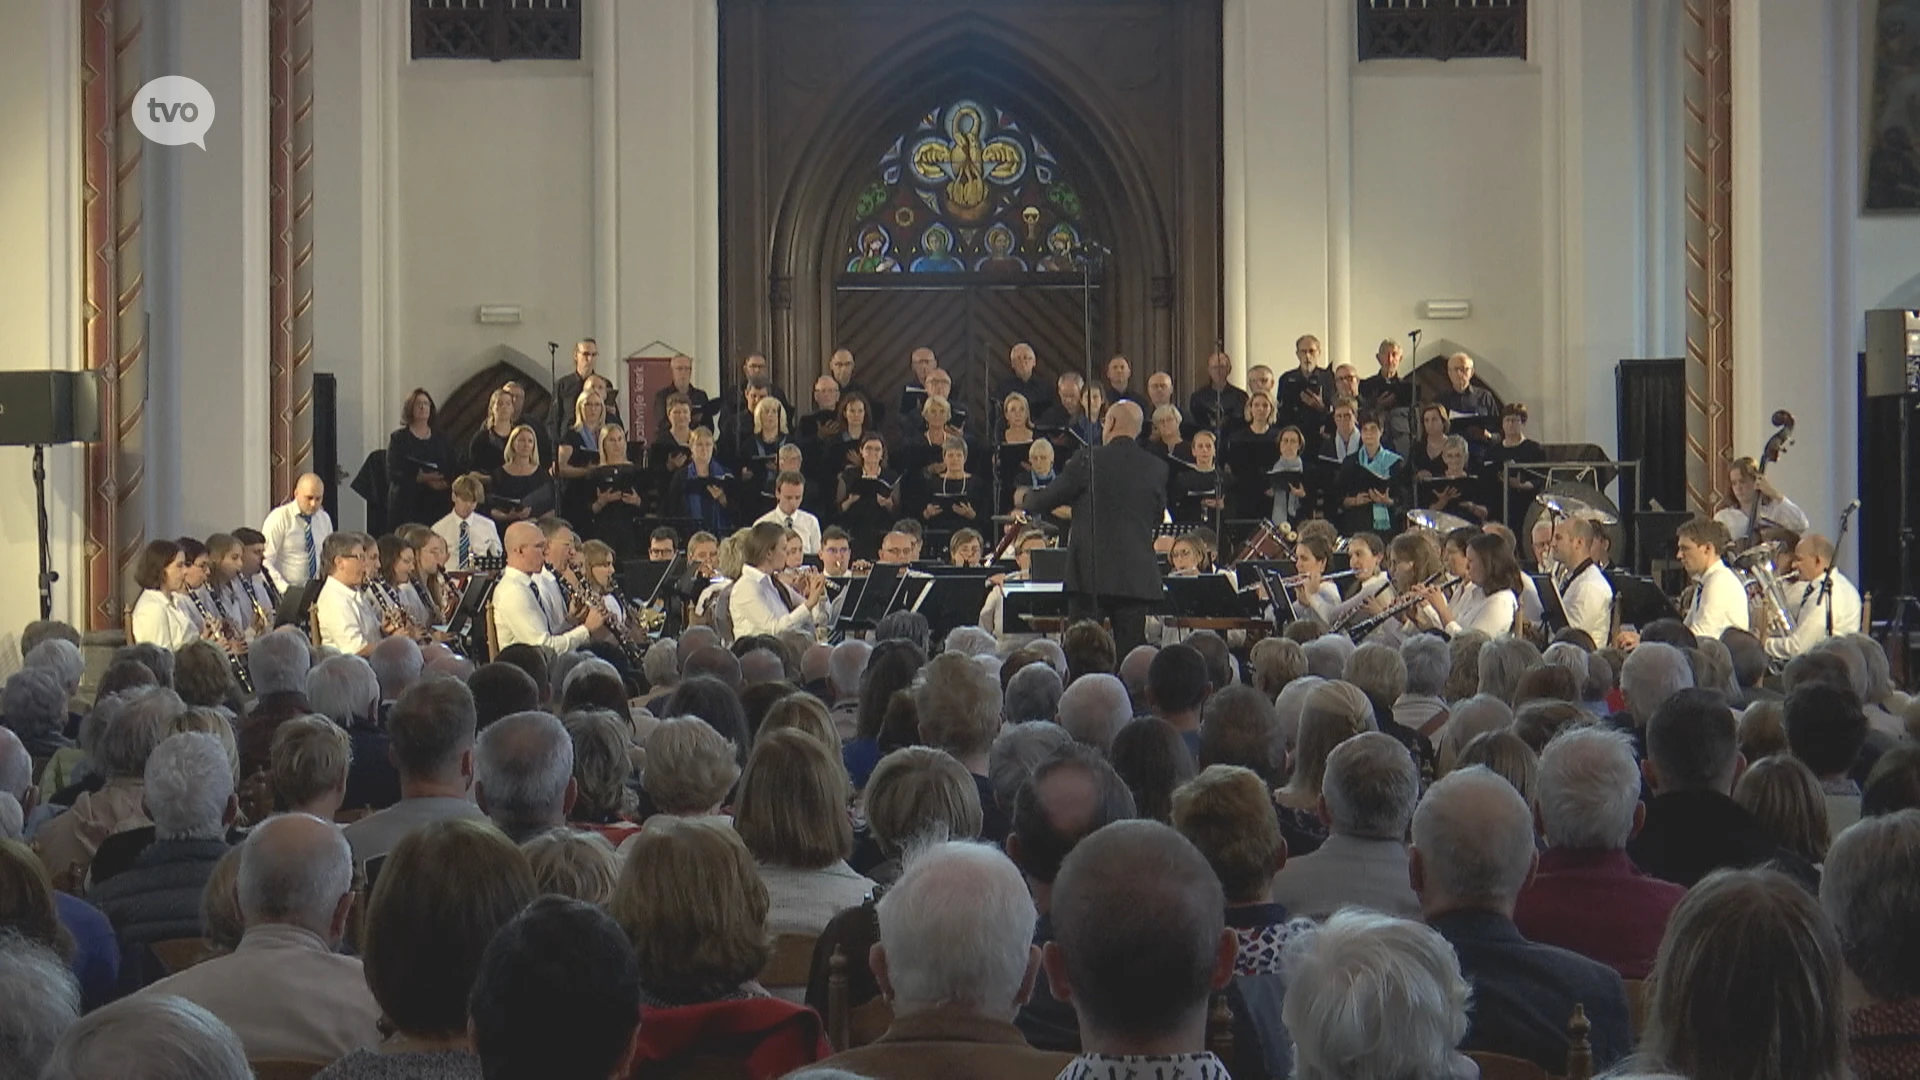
[553, 392]
[1413, 405]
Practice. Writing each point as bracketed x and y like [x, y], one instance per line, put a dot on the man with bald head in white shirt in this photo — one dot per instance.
[295, 530]
[527, 605]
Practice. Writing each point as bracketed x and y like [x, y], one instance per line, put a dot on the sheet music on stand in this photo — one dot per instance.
[870, 598]
[1024, 601]
[948, 599]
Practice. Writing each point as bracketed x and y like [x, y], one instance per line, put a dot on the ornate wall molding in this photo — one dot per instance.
[113, 311]
[290, 218]
[1707, 33]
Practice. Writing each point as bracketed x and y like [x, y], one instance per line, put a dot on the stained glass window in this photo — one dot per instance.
[971, 189]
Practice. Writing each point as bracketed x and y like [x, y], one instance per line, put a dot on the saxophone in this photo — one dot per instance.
[393, 614]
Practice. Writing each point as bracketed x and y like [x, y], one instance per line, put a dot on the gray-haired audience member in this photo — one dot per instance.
[1472, 852]
[278, 663]
[1017, 751]
[1870, 888]
[1132, 671]
[1033, 694]
[523, 774]
[1372, 996]
[122, 732]
[396, 663]
[661, 665]
[1239, 726]
[1140, 943]
[1469, 719]
[43, 1001]
[971, 640]
[430, 731]
[1589, 807]
[1428, 663]
[953, 1007]
[1327, 655]
[690, 767]
[150, 1037]
[1367, 797]
[1502, 661]
[345, 690]
[761, 666]
[189, 796]
[1094, 709]
[1380, 672]
[60, 656]
[557, 995]
[34, 706]
[845, 665]
[285, 990]
[1653, 672]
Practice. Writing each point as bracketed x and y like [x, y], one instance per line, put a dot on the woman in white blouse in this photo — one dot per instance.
[158, 615]
[1492, 596]
[1314, 594]
[758, 604]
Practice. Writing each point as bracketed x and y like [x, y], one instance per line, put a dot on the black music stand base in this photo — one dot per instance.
[42, 532]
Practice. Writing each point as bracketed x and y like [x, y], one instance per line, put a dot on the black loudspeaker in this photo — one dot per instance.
[41, 408]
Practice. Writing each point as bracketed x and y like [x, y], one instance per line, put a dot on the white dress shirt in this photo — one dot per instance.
[1722, 602]
[1491, 615]
[158, 620]
[1780, 513]
[1809, 614]
[287, 544]
[1370, 588]
[347, 619]
[1322, 602]
[801, 522]
[758, 608]
[483, 538]
[1588, 602]
[1531, 609]
[414, 603]
[527, 608]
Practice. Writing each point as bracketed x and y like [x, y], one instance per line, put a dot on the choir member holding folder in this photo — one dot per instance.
[867, 500]
[519, 490]
[420, 466]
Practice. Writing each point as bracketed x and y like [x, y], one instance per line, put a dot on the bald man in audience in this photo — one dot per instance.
[1069, 796]
[1141, 945]
[953, 1007]
[286, 991]
[1472, 854]
[1094, 708]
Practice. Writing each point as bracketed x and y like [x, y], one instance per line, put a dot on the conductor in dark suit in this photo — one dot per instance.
[1118, 494]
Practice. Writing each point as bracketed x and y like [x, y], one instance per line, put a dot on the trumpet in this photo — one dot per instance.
[1414, 598]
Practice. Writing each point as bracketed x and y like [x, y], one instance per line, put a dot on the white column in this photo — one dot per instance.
[602, 32]
[1795, 124]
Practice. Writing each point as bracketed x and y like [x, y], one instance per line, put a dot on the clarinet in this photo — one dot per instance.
[216, 629]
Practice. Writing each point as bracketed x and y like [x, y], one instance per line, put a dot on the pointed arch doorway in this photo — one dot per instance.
[970, 103]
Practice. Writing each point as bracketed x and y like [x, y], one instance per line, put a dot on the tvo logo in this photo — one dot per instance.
[173, 110]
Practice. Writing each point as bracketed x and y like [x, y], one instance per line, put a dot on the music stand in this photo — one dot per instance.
[951, 600]
[470, 614]
[1640, 600]
[1208, 596]
[1047, 565]
[1552, 613]
[873, 597]
[643, 578]
[295, 603]
[1024, 601]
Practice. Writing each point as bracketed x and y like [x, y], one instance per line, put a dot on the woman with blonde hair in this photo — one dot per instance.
[692, 902]
[1747, 985]
[802, 712]
[1784, 796]
[792, 814]
[1332, 713]
[576, 456]
[519, 490]
[580, 865]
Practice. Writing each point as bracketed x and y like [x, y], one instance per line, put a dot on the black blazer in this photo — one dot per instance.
[1118, 493]
[1524, 993]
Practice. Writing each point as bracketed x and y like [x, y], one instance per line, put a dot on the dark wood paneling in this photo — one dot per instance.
[811, 90]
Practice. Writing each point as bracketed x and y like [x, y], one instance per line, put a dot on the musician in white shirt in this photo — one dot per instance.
[469, 535]
[757, 603]
[993, 612]
[1532, 610]
[157, 617]
[1810, 600]
[789, 488]
[1365, 553]
[1314, 594]
[295, 532]
[1775, 511]
[1721, 600]
[347, 619]
[1492, 597]
[527, 606]
[255, 584]
[1587, 595]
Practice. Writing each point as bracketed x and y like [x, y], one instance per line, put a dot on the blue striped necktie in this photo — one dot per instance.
[464, 545]
[313, 559]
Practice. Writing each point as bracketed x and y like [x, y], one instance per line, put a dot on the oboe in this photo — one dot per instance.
[1414, 598]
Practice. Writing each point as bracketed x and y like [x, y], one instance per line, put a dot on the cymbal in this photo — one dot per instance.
[1438, 520]
[1567, 506]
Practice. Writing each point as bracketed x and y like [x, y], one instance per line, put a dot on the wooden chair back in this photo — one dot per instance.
[1502, 1067]
[856, 1026]
[791, 964]
[1579, 1056]
[1579, 1050]
[1220, 1027]
[1637, 990]
[285, 1069]
[176, 955]
[493, 631]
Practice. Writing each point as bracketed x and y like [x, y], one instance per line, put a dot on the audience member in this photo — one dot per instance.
[1373, 996]
[1367, 799]
[1227, 813]
[1090, 650]
[345, 690]
[530, 659]
[602, 772]
[1017, 751]
[1507, 755]
[845, 667]
[523, 774]
[1588, 897]
[1420, 707]
[1141, 943]
[1177, 686]
[138, 721]
[1472, 853]
[1153, 758]
[1747, 986]
[581, 865]
[695, 908]
[959, 709]
[43, 1001]
[1826, 729]
[1071, 796]
[903, 626]
[1327, 655]
[430, 735]
[443, 893]
[1332, 713]
[189, 793]
[1762, 730]
[501, 689]
[150, 1037]
[792, 815]
[953, 1007]
[1648, 678]
[286, 991]
[1894, 783]
[1033, 693]
[1276, 661]
[1502, 662]
[1784, 797]
[1463, 666]
[1693, 827]
[691, 768]
[34, 707]
[556, 996]
[397, 662]
[310, 759]
[1871, 891]
[1093, 709]
[1240, 727]
[891, 668]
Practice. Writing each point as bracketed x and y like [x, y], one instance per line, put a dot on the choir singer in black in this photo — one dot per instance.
[1118, 493]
